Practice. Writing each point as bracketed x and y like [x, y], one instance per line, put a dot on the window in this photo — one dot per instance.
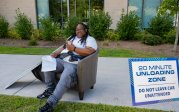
[43, 8]
[145, 9]
[59, 9]
[136, 5]
[149, 11]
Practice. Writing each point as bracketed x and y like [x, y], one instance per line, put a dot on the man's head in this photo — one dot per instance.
[81, 30]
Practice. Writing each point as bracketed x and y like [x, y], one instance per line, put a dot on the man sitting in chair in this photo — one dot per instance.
[78, 46]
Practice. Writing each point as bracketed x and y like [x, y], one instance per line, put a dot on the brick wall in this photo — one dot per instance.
[114, 8]
[8, 9]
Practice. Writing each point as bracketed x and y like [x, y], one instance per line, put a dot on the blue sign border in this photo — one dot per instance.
[134, 103]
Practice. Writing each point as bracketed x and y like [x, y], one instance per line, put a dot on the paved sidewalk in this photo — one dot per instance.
[112, 86]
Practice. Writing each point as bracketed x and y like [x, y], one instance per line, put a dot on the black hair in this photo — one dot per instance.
[83, 40]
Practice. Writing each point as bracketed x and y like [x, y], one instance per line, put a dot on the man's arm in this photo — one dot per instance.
[84, 52]
[57, 51]
[81, 51]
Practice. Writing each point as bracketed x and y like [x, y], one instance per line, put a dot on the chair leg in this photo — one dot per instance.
[81, 94]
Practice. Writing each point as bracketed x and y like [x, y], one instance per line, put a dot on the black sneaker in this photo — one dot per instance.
[45, 94]
[46, 108]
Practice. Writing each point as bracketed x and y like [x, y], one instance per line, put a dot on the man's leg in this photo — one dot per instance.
[50, 83]
[68, 79]
[50, 80]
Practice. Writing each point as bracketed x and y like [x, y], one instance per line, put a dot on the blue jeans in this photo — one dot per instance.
[67, 80]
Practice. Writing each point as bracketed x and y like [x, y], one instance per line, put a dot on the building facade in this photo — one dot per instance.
[114, 9]
[8, 9]
[31, 8]
[146, 9]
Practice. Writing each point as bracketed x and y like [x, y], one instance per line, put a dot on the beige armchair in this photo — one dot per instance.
[86, 73]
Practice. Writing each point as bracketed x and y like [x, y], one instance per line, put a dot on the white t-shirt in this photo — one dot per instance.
[90, 42]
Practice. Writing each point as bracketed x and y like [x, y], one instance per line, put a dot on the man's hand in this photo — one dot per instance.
[54, 54]
[70, 46]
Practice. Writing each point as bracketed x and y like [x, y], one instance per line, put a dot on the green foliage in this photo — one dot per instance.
[128, 25]
[25, 104]
[33, 42]
[104, 52]
[23, 25]
[99, 23]
[82, 7]
[97, 4]
[113, 35]
[172, 7]
[152, 40]
[50, 29]
[26, 50]
[117, 52]
[170, 36]
[12, 33]
[140, 35]
[70, 25]
[37, 34]
[3, 27]
[169, 5]
[55, 8]
[160, 25]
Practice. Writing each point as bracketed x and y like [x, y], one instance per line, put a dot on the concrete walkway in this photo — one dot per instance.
[112, 87]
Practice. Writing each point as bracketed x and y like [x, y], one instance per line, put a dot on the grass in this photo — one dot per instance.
[25, 50]
[127, 53]
[24, 104]
[103, 52]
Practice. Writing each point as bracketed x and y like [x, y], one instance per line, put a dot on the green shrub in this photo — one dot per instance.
[99, 23]
[37, 34]
[160, 25]
[70, 25]
[60, 36]
[128, 26]
[112, 35]
[23, 25]
[140, 35]
[170, 37]
[12, 33]
[3, 27]
[54, 9]
[152, 40]
[50, 29]
[32, 42]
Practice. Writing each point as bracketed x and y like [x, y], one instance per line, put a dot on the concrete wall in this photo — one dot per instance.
[114, 8]
[8, 9]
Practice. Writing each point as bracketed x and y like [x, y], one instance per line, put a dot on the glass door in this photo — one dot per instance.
[149, 11]
[136, 5]
[43, 8]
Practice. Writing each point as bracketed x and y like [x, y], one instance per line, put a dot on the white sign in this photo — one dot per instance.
[48, 63]
[154, 80]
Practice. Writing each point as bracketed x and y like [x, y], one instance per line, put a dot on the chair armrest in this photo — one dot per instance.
[87, 70]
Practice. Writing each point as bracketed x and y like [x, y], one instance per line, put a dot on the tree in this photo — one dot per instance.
[97, 4]
[173, 7]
